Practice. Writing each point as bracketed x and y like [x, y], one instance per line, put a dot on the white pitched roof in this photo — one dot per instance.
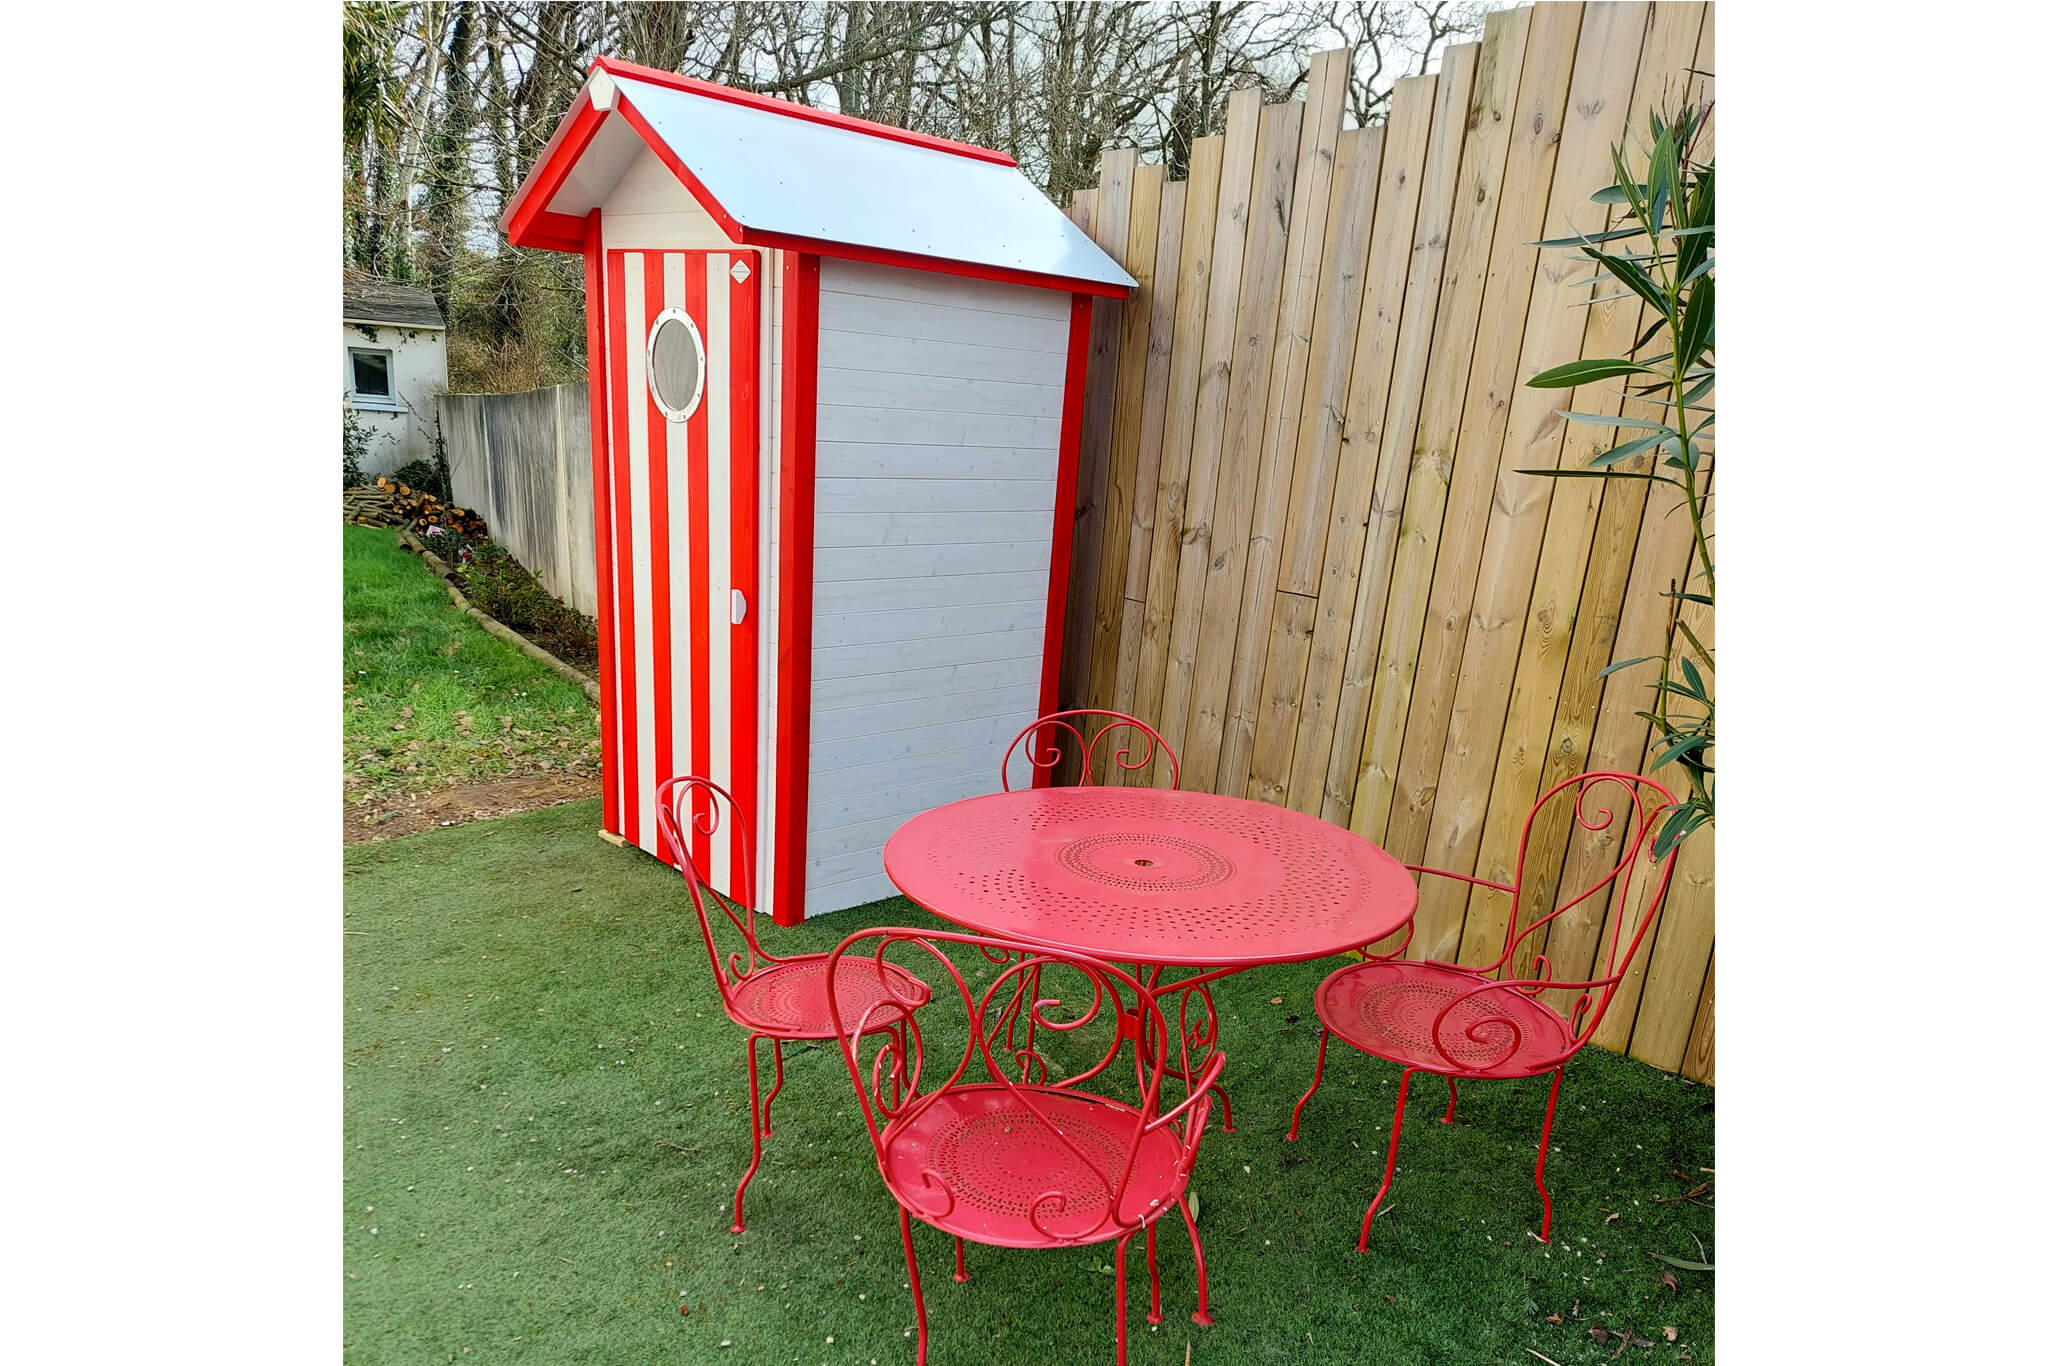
[833, 182]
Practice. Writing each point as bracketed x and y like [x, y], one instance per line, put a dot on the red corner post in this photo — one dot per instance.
[600, 503]
[799, 455]
[1063, 516]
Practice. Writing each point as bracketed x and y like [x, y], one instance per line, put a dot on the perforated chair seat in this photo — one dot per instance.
[787, 999]
[1390, 1011]
[976, 1162]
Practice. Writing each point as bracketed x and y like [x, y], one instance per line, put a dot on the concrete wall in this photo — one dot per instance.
[402, 428]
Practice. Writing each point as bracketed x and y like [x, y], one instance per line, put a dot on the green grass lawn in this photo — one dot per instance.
[429, 696]
[546, 1112]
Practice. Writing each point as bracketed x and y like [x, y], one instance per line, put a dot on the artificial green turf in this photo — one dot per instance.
[429, 697]
[546, 1113]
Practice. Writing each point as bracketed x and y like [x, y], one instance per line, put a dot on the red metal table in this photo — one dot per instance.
[1156, 877]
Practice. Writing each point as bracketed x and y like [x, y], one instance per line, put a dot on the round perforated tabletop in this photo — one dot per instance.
[1183, 879]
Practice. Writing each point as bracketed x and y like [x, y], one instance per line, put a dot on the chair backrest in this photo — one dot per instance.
[1086, 1008]
[1085, 728]
[1596, 826]
[700, 806]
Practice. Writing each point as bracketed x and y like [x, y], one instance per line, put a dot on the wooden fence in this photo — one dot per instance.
[1302, 545]
[523, 462]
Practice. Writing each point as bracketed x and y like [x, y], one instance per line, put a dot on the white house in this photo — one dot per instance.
[394, 360]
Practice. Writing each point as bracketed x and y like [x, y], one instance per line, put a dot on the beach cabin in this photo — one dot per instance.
[836, 372]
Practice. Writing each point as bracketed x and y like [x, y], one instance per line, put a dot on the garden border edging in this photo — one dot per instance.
[493, 625]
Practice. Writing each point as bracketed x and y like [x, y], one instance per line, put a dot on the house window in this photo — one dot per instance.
[370, 373]
[675, 365]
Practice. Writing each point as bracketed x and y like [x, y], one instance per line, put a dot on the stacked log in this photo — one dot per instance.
[390, 503]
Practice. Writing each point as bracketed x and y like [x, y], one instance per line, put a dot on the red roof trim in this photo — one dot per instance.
[941, 264]
[550, 169]
[555, 232]
[790, 109]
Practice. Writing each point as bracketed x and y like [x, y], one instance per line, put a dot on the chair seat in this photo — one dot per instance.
[1390, 1011]
[787, 999]
[976, 1161]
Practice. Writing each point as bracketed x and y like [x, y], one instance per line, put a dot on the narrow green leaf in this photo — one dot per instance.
[1695, 325]
[1625, 450]
[1605, 474]
[1698, 242]
[1628, 663]
[1611, 235]
[1633, 275]
[1603, 420]
[1680, 749]
[1574, 373]
[1692, 676]
[1682, 1264]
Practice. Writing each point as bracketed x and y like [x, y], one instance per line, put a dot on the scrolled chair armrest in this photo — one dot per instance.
[1526, 987]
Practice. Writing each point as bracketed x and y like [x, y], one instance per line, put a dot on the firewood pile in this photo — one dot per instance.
[390, 503]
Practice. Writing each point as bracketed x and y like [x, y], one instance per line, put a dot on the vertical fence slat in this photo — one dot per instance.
[1300, 287]
[1348, 247]
[1136, 252]
[1212, 400]
[1190, 311]
[1159, 354]
[1237, 478]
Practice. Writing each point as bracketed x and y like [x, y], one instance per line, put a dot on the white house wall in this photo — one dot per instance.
[939, 404]
[401, 431]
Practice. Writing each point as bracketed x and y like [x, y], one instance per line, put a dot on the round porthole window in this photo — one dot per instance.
[675, 364]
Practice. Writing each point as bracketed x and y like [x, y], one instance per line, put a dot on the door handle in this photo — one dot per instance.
[739, 607]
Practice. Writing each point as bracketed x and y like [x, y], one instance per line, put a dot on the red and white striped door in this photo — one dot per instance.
[683, 357]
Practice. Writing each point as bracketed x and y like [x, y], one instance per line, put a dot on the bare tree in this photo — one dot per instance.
[446, 106]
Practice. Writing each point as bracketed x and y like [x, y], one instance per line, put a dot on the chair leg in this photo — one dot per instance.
[1201, 1314]
[1121, 1244]
[1152, 1265]
[916, 1290]
[1543, 1149]
[768, 1105]
[959, 1259]
[739, 1222]
[1393, 1146]
[1322, 1049]
[896, 1066]
[1452, 1112]
[1228, 1126]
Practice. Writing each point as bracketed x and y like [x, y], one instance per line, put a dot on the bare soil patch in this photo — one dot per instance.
[389, 815]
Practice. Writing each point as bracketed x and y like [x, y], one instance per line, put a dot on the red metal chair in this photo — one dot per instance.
[770, 997]
[1015, 1158]
[1463, 1023]
[1041, 741]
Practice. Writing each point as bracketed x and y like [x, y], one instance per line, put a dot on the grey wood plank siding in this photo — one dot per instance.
[939, 402]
